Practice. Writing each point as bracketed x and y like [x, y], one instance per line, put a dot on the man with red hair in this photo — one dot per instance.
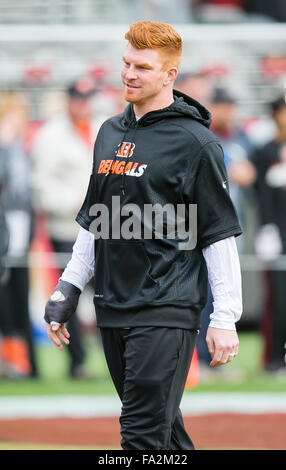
[150, 287]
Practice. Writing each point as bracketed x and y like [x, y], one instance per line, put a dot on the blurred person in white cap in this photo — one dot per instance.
[62, 158]
[270, 185]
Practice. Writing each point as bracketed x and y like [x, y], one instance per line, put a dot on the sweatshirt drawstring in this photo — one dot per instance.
[123, 174]
[115, 155]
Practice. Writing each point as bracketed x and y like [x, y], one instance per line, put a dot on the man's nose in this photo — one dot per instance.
[131, 73]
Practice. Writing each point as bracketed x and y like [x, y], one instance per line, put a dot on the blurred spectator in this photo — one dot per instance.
[224, 3]
[233, 10]
[236, 145]
[260, 130]
[17, 348]
[196, 85]
[270, 162]
[4, 233]
[218, 10]
[62, 156]
[274, 9]
[241, 173]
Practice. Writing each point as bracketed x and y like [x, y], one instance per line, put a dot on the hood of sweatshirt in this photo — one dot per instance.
[182, 105]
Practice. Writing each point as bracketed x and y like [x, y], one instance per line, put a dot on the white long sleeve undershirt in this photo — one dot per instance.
[223, 272]
[80, 268]
[224, 275]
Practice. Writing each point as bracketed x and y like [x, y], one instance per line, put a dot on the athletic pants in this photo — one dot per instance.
[149, 367]
[14, 311]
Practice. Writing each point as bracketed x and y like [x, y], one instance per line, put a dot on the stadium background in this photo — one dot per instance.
[44, 46]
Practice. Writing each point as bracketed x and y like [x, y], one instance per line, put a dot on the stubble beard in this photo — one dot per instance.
[128, 96]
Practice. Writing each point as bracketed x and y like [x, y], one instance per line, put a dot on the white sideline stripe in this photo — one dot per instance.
[192, 404]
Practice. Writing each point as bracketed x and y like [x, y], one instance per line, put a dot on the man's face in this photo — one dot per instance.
[223, 114]
[142, 75]
[80, 109]
[197, 87]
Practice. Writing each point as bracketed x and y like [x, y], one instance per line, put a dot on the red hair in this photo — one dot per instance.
[156, 35]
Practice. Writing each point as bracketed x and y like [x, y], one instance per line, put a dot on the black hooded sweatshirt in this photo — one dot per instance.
[168, 156]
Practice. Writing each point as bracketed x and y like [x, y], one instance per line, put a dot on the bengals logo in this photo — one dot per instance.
[125, 149]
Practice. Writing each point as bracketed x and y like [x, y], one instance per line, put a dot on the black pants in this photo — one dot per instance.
[14, 310]
[149, 367]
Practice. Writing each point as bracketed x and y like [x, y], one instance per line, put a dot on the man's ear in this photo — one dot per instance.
[171, 75]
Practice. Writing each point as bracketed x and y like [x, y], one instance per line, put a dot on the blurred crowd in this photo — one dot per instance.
[110, 11]
[256, 10]
[44, 171]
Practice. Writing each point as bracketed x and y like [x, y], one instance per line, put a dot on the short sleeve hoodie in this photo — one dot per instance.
[157, 195]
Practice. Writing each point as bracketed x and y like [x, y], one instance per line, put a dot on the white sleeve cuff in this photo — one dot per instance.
[223, 325]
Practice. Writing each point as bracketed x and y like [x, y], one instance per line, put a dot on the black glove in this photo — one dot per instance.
[63, 303]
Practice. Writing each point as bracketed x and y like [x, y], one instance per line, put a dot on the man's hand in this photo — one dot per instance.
[222, 345]
[62, 304]
[58, 334]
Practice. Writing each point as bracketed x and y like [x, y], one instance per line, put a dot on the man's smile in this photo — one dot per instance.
[131, 87]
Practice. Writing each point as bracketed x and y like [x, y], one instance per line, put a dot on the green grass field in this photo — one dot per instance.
[53, 366]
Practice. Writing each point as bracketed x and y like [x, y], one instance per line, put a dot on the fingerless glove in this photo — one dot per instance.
[63, 302]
